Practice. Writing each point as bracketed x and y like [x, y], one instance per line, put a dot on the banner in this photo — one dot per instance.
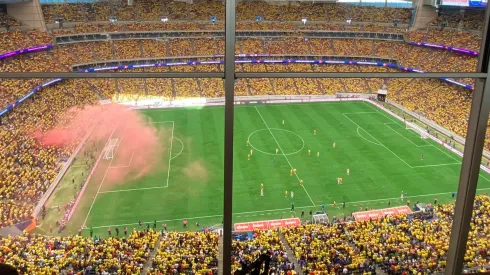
[266, 225]
[376, 214]
[465, 3]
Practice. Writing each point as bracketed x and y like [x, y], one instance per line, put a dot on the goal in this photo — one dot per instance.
[417, 129]
[109, 149]
[320, 218]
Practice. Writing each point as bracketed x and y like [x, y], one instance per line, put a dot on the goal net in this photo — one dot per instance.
[417, 129]
[320, 218]
[109, 149]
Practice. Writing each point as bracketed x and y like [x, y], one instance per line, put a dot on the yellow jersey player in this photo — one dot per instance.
[292, 195]
[340, 180]
[294, 171]
[317, 154]
[286, 194]
[334, 204]
[309, 152]
[283, 122]
[348, 171]
[291, 172]
[301, 182]
[261, 189]
[314, 132]
[248, 143]
[251, 152]
[277, 151]
[249, 156]
[333, 145]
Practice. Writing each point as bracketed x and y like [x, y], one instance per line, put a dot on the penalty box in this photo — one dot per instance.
[126, 165]
[405, 142]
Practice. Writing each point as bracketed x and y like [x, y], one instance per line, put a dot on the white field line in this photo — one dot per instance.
[272, 210]
[356, 113]
[134, 189]
[394, 121]
[160, 122]
[102, 181]
[397, 122]
[366, 138]
[181, 150]
[171, 145]
[435, 165]
[124, 166]
[170, 152]
[143, 188]
[378, 141]
[282, 152]
[386, 124]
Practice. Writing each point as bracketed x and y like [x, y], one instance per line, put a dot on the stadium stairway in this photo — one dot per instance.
[220, 255]
[148, 265]
[291, 255]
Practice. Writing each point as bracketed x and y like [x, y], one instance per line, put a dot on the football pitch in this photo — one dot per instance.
[384, 159]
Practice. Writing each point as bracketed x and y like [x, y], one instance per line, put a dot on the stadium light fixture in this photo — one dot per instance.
[59, 21]
[164, 19]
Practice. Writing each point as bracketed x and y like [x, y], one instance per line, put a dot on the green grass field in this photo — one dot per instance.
[384, 159]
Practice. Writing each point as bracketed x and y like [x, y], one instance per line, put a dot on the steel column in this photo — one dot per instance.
[475, 139]
[229, 117]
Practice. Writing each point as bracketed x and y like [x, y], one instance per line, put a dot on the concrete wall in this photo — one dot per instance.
[424, 15]
[29, 13]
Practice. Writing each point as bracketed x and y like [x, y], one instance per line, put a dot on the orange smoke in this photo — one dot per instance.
[140, 145]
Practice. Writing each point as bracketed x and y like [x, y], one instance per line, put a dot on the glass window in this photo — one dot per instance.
[331, 173]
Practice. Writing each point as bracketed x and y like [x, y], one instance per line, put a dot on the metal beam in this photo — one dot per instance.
[475, 139]
[242, 75]
[229, 120]
[112, 75]
[360, 75]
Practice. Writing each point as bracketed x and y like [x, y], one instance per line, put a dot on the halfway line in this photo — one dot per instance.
[282, 152]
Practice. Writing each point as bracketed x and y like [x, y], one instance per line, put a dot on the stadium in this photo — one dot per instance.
[244, 137]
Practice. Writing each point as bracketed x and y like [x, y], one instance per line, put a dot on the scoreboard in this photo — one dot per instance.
[465, 3]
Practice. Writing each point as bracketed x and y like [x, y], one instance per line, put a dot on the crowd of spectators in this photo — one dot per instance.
[151, 10]
[246, 250]
[9, 20]
[398, 245]
[26, 184]
[448, 106]
[470, 19]
[395, 244]
[27, 167]
[187, 253]
[36, 254]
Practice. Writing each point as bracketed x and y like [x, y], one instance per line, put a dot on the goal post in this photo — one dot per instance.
[109, 149]
[320, 218]
[417, 129]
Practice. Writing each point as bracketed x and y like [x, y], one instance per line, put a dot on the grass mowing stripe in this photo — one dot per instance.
[102, 181]
[375, 173]
[282, 152]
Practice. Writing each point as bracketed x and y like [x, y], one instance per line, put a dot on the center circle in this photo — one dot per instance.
[272, 130]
